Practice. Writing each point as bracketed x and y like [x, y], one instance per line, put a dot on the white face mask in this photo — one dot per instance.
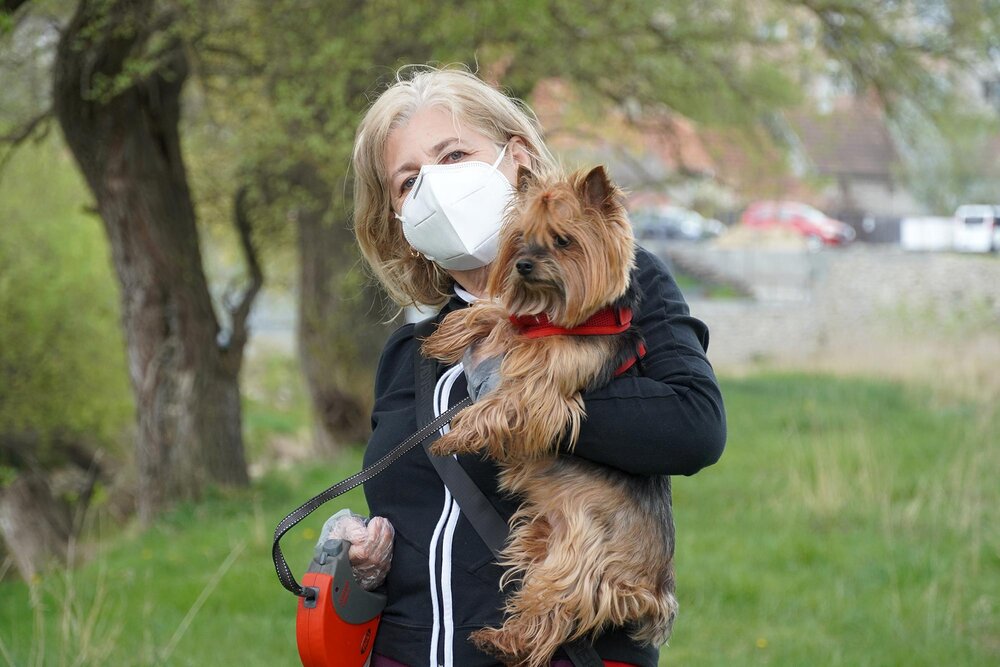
[452, 214]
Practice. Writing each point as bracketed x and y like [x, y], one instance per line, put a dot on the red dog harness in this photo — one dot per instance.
[602, 323]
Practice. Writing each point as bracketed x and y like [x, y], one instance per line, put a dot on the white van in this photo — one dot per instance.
[977, 228]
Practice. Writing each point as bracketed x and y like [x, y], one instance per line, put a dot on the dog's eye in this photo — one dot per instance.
[561, 241]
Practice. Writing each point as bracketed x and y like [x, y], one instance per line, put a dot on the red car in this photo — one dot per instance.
[814, 225]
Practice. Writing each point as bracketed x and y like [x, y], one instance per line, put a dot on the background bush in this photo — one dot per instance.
[62, 359]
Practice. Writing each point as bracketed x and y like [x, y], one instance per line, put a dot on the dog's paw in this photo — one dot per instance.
[497, 643]
[458, 441]
[447, 445]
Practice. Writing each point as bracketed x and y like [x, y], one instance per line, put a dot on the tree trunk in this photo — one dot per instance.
[126, 141]
[341, 313]
[340, 335]
[34, 526]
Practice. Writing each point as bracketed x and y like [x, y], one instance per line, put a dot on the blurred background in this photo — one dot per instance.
[188, 337]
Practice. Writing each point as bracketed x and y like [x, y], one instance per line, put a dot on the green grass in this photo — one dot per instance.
[693, 287]
[275, 404]
[128, 605]
[850, 522]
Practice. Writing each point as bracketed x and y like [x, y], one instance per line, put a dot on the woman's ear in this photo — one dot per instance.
[519, 152]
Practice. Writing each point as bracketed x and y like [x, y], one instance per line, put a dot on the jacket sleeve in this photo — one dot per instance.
[670, 419]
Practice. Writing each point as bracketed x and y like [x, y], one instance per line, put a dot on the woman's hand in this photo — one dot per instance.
[371, 545]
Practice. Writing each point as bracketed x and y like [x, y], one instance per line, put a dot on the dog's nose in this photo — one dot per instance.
[524, 267]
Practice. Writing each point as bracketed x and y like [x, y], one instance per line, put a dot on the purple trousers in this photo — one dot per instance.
[382, 661]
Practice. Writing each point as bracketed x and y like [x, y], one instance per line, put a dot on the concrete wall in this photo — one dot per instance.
[842, 303]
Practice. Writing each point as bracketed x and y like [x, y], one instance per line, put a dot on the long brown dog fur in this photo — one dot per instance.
[591, 546]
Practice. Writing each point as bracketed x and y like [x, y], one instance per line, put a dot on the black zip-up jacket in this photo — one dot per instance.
[668, 420]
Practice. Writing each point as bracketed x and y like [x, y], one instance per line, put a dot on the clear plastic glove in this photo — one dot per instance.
[482, 374]
[371, 544]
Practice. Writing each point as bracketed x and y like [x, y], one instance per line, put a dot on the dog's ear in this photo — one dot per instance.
[525, 177]
[596, 189]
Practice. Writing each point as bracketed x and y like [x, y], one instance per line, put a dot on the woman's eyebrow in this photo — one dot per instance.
[409, 166]
[443, 144]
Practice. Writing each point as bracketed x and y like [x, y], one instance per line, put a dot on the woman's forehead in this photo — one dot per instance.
[421, 138]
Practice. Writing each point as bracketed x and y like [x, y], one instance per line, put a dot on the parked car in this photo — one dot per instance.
[674, 222]
[818, 228]
[977, 228]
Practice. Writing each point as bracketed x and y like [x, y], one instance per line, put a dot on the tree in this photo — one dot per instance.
[119, 71]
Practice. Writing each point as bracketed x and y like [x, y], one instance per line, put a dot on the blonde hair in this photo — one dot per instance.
[409, 278]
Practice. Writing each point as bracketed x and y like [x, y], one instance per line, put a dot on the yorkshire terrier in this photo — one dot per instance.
[591, 546]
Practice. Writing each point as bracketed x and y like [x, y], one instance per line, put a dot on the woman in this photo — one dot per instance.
[465, 141]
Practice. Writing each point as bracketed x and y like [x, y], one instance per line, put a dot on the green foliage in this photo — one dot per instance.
[705, 61]
[62, 359]
[904, 51]
[295, 91]
[288, 80]
[850, 522]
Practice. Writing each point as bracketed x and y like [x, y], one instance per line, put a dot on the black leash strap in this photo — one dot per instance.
[286, 524]
[483, 516]
[582, 654]
[487, 522]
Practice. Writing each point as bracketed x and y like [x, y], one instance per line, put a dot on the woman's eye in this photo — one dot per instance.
[407, 184]
[455, 156]
[561, 241]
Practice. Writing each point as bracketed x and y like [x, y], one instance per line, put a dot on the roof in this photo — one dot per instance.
[851, 140]
[750, 162]
[647, 148]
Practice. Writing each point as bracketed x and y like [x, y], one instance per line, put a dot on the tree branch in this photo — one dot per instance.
[241, 310]
[36, 127]
[25, 131]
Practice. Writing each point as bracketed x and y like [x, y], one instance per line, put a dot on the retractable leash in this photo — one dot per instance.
[337, 618]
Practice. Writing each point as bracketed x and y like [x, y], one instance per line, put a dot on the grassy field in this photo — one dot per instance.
[850, 522]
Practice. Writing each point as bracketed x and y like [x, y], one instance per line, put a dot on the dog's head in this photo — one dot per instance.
[566, 247]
